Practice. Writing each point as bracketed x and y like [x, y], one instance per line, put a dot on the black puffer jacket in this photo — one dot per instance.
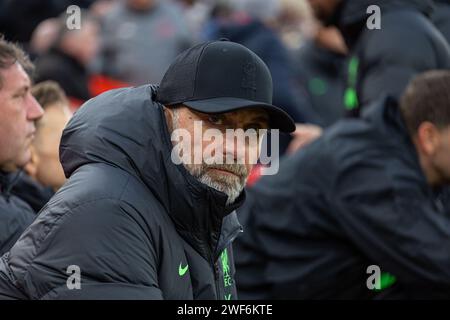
[441, 17]
[356, 197]
[31, 191]
[137, 226]
[383, 61]
[15, 214]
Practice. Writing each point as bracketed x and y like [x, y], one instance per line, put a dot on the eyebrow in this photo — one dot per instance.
[261, 119]
[201, 114]
[25, 88]
[257, 119]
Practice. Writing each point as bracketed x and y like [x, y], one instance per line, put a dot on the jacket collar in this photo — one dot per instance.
[3, 181]
[7, 181]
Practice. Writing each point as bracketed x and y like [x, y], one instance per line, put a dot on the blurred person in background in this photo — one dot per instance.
[141, 38]
[44, 36]
[46, 32]
[320, 71]
[196, 13]
[219, 14]
[366, 193]
[101, 8]
[19, 110]
[44, 173]
[293, 22]
[18, 19]
[68, 60]
[48, 170]
[441, 17]
[251, 24]
[382, 61]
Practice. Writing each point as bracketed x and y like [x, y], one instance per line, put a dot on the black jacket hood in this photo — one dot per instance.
[351, 15]
[126, 128]
[354, 11]
[385, 115]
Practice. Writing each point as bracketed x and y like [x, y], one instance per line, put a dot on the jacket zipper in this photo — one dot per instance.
[229, 241]
[216, 271]
[216, 279]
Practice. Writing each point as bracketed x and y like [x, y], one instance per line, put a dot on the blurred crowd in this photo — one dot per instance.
[324, 63]
[132, 42]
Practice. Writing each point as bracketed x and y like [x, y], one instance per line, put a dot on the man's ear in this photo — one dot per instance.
[31, 167]
[168, 112]
[428, 138]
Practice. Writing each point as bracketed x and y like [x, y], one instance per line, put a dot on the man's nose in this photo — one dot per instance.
[234, 147]
[34, 109]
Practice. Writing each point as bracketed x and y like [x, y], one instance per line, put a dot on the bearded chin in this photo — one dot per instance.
[232, 186]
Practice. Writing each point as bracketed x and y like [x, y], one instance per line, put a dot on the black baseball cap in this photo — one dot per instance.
[222, 76]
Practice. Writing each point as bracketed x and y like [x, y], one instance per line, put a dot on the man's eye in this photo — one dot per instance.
[255, 127]
[20, 95]
[215, 120]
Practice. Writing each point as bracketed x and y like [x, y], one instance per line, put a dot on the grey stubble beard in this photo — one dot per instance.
[231, 185]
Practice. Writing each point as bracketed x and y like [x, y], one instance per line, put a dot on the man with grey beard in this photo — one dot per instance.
[215, 174]
[154, 177]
